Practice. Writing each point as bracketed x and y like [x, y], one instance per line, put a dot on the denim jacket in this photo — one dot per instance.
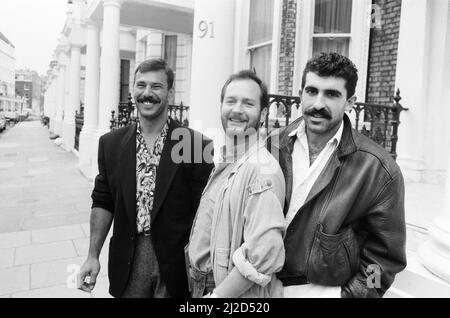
[248, 223]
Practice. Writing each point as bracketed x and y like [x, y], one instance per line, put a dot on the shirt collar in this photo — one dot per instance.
[300, 132]
[139, 130]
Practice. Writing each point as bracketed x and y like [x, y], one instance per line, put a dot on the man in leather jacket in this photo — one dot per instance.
[344, 204]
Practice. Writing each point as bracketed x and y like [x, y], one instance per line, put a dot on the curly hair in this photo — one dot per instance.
[336, 65]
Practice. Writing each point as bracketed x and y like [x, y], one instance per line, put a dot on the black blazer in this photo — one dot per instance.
[178, 190]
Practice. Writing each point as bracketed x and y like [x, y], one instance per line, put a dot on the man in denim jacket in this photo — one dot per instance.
[344, 206]
[236, 242]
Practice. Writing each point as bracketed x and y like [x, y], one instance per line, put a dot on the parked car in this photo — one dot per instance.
[2, 122]
[23, 116]
[12, 117]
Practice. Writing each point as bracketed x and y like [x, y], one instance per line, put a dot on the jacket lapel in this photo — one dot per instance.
[286, 166]
[127, 173]
[165, 172]
[345, 147]
[324, 178]
[285, 148]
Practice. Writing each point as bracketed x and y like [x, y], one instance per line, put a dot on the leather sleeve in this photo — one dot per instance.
[101, 196]
[383, 254]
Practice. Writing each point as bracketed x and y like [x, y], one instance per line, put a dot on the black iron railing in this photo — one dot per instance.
[127, 114]
[378, 122]
[286, 103]
[79, 121]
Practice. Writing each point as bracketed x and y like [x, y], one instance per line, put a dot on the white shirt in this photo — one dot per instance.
[304, 177]
[304, 174]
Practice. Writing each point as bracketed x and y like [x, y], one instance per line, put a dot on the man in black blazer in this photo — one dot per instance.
[150, 187]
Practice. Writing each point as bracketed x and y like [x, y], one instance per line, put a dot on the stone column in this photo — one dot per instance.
[412, 50]
[140, 49]
[212, 63]
[435, 253]
[92, 82]
[67, 87]
[49, 102]
[109, 91]
[61, 92]
[74, 98]
[54, 101]
[109, 64]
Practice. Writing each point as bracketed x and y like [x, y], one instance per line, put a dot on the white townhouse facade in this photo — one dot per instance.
[8, 100]
[93, 64]
[396, 44]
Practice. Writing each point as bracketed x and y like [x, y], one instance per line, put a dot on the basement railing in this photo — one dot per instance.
[376, 121]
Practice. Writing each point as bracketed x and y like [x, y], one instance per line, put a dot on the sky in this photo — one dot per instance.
[33, 27]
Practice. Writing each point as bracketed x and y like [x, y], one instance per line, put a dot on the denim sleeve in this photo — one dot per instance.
[262, 252]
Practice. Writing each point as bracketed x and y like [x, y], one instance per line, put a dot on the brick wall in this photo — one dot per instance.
[383, 51]
[287, 47]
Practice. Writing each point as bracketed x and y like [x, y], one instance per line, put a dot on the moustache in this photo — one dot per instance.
[237, 118]
[150, 99]
[321, 112]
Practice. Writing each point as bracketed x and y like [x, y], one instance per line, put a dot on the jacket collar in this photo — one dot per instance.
[345, 147]
[282, 145]
[166, 171]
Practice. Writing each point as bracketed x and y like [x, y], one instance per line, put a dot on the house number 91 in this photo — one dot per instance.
[205, 28]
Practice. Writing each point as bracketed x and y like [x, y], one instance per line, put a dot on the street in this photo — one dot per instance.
[44, 216]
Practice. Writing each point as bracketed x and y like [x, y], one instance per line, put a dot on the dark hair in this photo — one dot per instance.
[152, 65]
[248, 74]
[336, 65]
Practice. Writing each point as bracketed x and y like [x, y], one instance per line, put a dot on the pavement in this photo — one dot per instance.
[44, 217]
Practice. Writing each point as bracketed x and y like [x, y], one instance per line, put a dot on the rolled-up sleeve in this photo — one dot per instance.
[262, 252]
[101, 195]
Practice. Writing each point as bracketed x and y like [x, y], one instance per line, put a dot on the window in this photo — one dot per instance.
[170, 56]
[332, 26]
[260, 38]
[124, 80]
[341, 26]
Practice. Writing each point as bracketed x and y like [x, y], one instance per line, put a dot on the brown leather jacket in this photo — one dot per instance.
[351, 230]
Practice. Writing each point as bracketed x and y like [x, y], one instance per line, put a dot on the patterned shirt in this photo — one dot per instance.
[146, 166]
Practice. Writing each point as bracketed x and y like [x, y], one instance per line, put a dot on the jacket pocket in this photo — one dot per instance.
[221, 261]
[332, 261]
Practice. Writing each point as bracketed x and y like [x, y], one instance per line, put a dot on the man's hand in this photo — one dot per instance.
[90, 269]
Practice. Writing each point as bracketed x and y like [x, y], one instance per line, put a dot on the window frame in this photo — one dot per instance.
[243, 50]
[358, 43]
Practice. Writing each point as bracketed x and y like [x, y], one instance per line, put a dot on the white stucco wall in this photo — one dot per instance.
[7, 66]
[153, 47]
[423, 78]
